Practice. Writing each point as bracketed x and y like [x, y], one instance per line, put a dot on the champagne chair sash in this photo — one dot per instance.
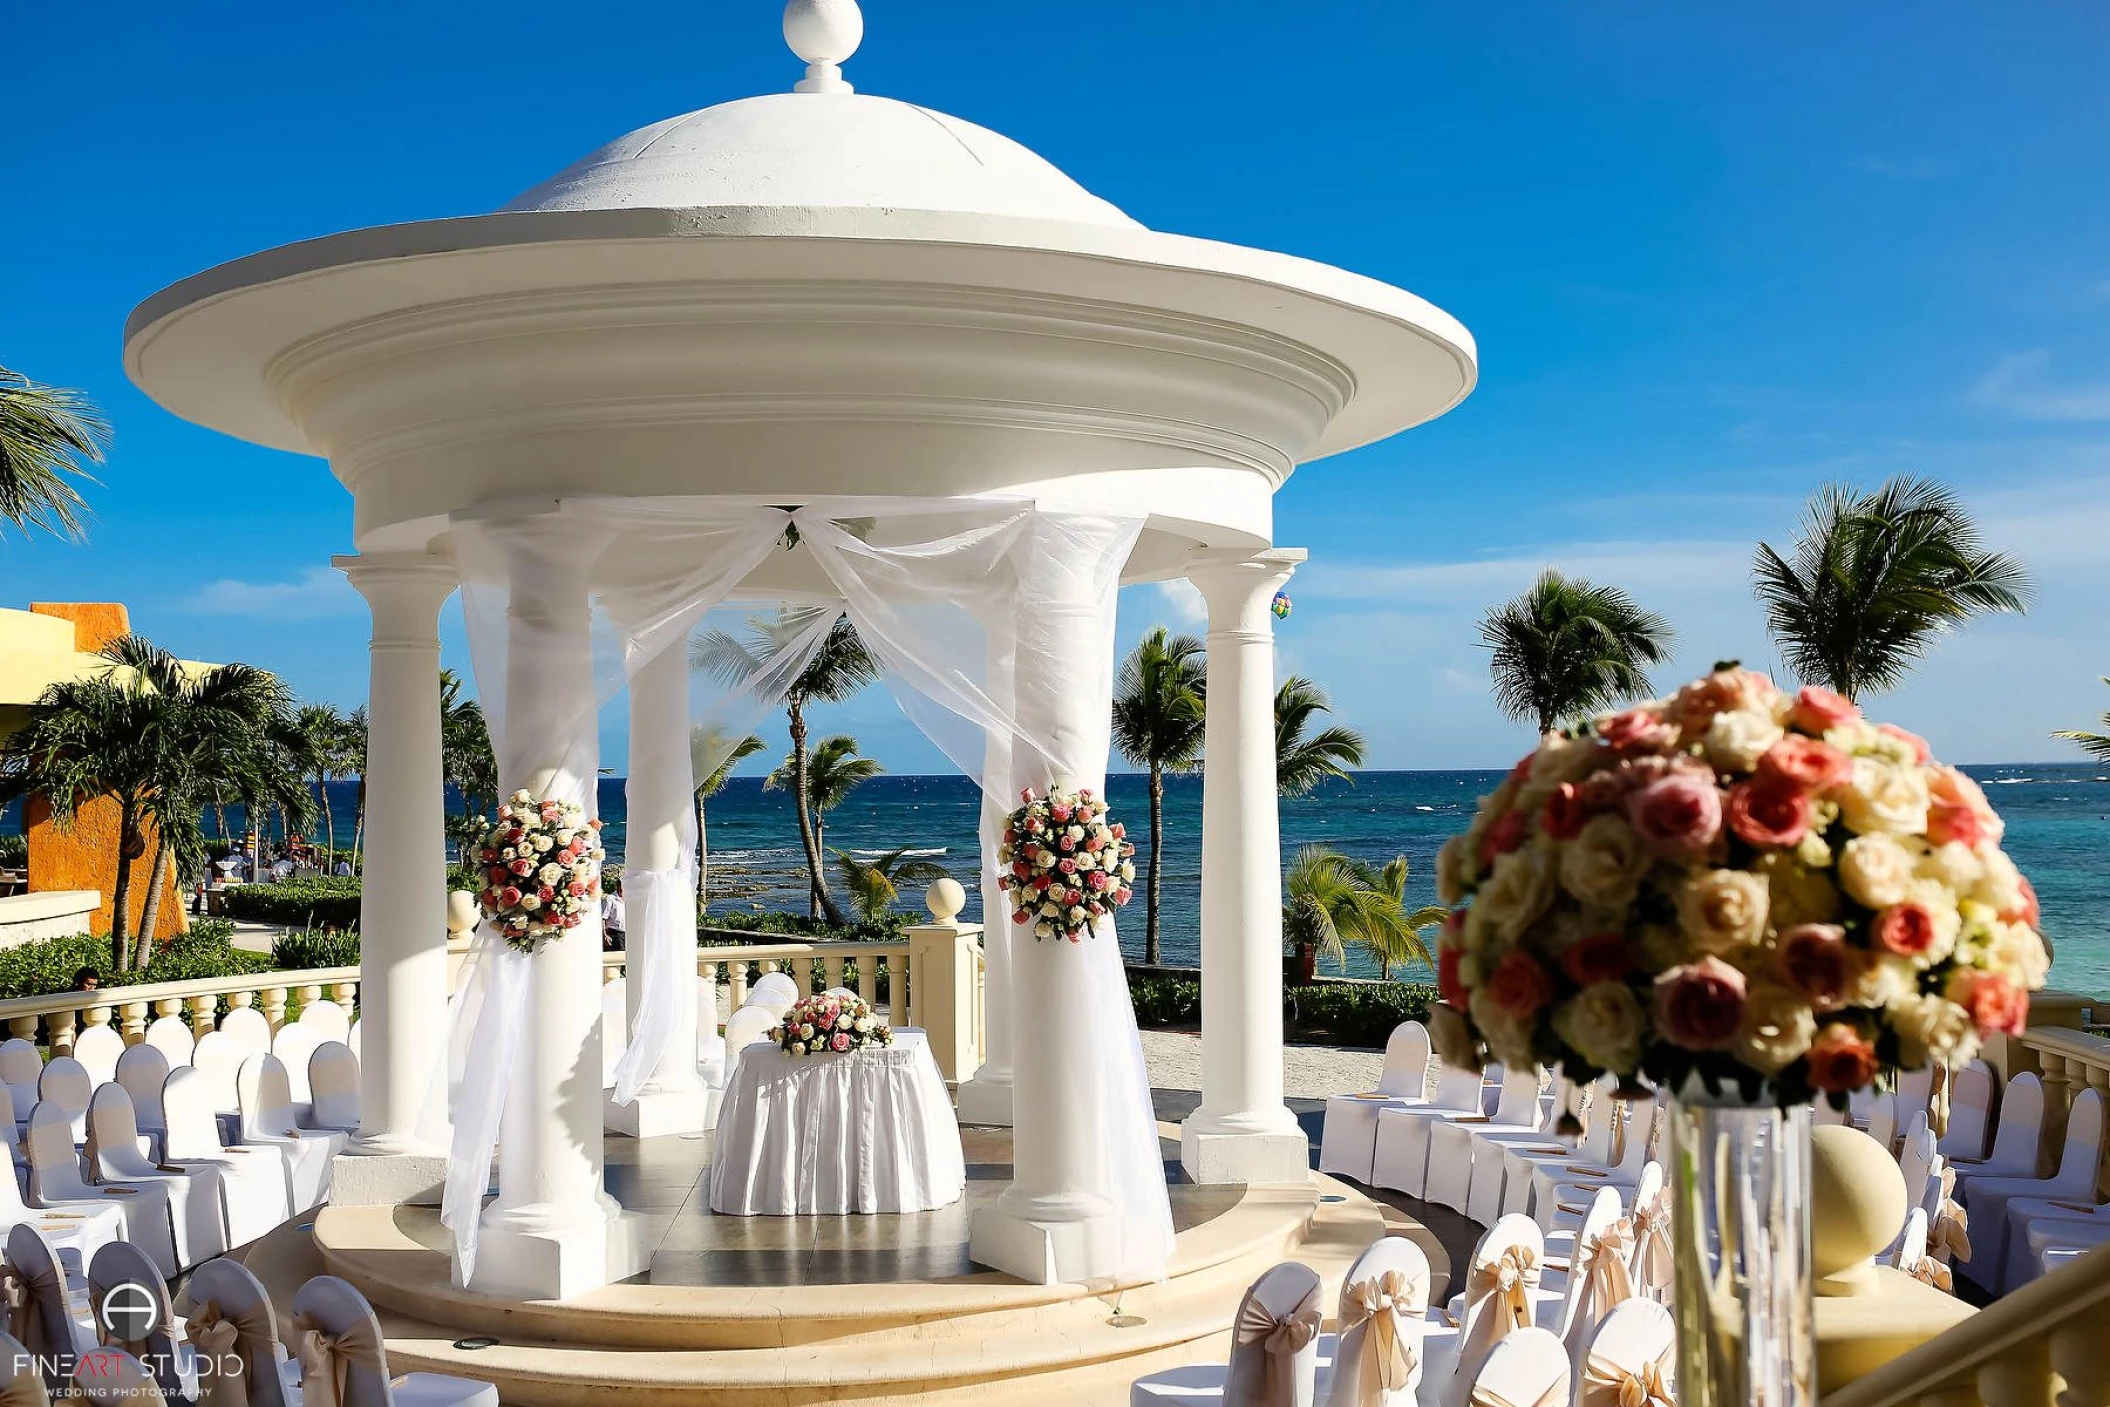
[1949, 1238]
[1606, 1281]
[1281, 1338]
[1653, 1263]
[223, 1377]
[25, 1316]
[1508, 1280]
[326, 1359]
[1388, 1362]
[20, 1383]
[1609, 1383]
[1556, 1395]
[1929, 1271]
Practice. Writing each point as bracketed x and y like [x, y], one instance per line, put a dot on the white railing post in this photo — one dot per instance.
[944, 972]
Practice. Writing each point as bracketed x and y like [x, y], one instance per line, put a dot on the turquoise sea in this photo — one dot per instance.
[2058, 830]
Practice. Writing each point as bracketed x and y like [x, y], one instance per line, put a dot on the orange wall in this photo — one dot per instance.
[83, 854]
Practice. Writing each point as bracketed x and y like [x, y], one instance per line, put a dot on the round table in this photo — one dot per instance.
[864, 1131]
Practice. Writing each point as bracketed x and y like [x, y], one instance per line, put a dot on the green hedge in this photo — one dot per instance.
[1161, 1000]
[1354, 1013]
[784, 925]
[300, 903]
[299, 948]
[48, 965]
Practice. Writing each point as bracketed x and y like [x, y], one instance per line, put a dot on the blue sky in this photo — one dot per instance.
[1713, 255]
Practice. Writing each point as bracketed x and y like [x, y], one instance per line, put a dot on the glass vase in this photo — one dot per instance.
[1740, 1183]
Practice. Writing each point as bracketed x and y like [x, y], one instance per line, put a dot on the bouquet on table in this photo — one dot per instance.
[830, 1023]
[1749, 886]
[542, 869]
[1066, 866]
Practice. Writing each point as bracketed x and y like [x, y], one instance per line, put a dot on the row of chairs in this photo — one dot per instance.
[242, 1032]
[1389, 1348]
[113, 1336]
[2025, 1222]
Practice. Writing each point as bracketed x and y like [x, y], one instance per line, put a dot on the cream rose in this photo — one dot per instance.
[1876, 871]
[1517, 890]
[1450, 870]
[1881, 798]
[1602, 866]
[1797, 894]
[1723, 910]
[1605, 1024]
[1778, 1027]
[1882, 980]
[1952, 864]
[2018, 950]
[1736, 740]
[1931, 1029]
[2000, 888]
[1508, 1039]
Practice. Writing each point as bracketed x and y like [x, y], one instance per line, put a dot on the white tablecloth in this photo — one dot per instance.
[865, 1131]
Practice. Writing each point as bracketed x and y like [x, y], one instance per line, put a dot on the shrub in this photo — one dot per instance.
[783, 925]
[1354, 1013]
[48, 965]
[14, 851]
[299, 948]
[206, 951]
[298, 903]
[1162, 1000]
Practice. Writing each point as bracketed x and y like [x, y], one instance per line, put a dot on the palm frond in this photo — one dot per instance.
[49, 435]
[1567, 648]
[1302, 763]
[1160, 702]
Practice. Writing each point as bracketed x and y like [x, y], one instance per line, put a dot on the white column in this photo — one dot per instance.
[403, 903]
[1242, 1133]
[987, 1097]
[660, 836]
[552, 1232]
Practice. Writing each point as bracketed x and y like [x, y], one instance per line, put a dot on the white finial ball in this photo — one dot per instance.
[462, 913]
[945, 899]
[824, 33]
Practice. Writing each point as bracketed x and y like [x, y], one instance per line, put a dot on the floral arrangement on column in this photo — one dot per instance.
[1756, 888]
[542, 869]
[816, 1025]
[1066, 864]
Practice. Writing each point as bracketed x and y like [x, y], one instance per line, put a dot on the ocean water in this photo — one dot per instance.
[2058, 831]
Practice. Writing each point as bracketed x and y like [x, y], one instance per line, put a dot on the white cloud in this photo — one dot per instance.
[315, 593]
[1183, 601]
[2018, 384]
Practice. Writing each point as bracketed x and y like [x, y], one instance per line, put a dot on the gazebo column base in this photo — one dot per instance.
[1244, 1158]
[361, 1179]
[985, 1098]
[1046, 1252]
[517, 1257]
[657, 1112]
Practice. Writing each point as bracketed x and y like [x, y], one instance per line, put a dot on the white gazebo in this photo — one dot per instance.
[803, 299]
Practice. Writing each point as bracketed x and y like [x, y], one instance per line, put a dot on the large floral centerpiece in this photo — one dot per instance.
[830, 1022]
[542, 869]
[1066, 863]
[1739, 884]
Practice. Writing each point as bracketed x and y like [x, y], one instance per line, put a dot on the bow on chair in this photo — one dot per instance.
[1281, 1338]
[222, 1380]
[1606, 1279]
[1555, 1395]
[1949, 1238]
[1387, 1363]
[1653, 1263]
[25, 1313]
[1508, 1280]
[1929, 1271]
[1609, 1383]
[326, 1358]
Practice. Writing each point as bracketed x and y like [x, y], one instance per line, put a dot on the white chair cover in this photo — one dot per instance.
[97, 1049]
[197, 1200]
[1973, 1091]
[122, 1265]
[1598, 1276]
[55, 1180]
[1528, 1368]
[1996, 1255]
[41, 1314]
[293, 1044]
[1500, 1284]
[330, 1020]
[20, 1061]
[774, 992]
[1632, 1359]
[1275, 1341]
[268, 1121]
[1883, 1121]
[333, 1085]
[749, 1025]
[76, 1230]
[218, 1061]
[1916, 1162]
[1911, 1244]
[1448, 1179]
[1560, 1192]
[66, 1085]
[1348, 1139]
[1483, 1197]
[1600, 1124]
[1400, 1158]
[1383, 1307]
[343, 1364]
[1654, 1263]
[231, 1321]
[259, 1190]
[1915, 1096]
[2016, 1138]
[247, 1028]
[142, 1070]
[351, 1037]
[20, 1383]
[174, 1039]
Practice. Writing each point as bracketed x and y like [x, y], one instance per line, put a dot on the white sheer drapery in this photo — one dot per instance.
[994, 621]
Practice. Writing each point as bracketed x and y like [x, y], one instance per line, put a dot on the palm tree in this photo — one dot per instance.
[875, 884]
[1302, 763]
[1332, 903]
[48, 437]
[705, 743]
[1875, 579]
[830, 774]
[322, 732]
[466, 760]
[1567, 648]
[836, 670]
[351, 761]
[1410, 943]
[2096, 745]
[1160, 700]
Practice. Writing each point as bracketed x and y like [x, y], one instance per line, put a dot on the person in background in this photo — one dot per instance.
[613, 917]
[87, 980]
[343, 870]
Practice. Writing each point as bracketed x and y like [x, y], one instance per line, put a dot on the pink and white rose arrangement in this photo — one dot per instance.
[818, 1025]
[1739, 884]
[1066, 865]
[542, 869]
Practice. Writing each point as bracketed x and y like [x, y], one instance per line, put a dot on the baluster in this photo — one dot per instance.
[242, 998]
[707, 996]
[134, 1026]
[832, 970]
[24, 1028]
[62, 1028]
[809, 968]
[202, 1011]
[309, 995]
[737, 971]
[769, 965]
[274, 1007]
[168, 1006]
[2077, 1356]
[2020, 1376]
[345, 994]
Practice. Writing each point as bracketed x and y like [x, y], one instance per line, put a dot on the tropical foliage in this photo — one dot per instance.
[466, 761]
[1301, 762]
[1874, 579]
[708, 744]
[49, 435]
[874, 885]
[836, 670]
[1567, 648]
[1333, 903]
[831, 773]
[2096, 745]
[1159, 709]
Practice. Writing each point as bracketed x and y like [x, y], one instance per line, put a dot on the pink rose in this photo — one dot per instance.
[1997, 1005]
[1679, 814]
[1021, 916]
[1700, 1006]
[1068, 867]
[1841, 1059]
[1820, 710]
[1814, 961]
[1123, 894]
[1905, 929]
[1921, 753]
[1067, 845]
[1948, 787]
[2028, 912]
[1060, 812]
[1947, 821]
[523, 868]
[1601, 957]
[1766, 812]
[1117, 831]
[1519, 986]
[1565, 812]
[1449, 983]
[1096, 844]
[509, 896]
[1505, 835]
[1637, 730]
[1809, 763]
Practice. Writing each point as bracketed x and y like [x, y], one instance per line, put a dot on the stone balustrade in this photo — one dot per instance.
[2069, 1060]
[57, 1018]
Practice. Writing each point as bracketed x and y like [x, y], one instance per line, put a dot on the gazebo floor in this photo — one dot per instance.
[813, 1309]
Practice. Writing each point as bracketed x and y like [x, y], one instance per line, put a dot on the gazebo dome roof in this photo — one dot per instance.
[835, 149]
